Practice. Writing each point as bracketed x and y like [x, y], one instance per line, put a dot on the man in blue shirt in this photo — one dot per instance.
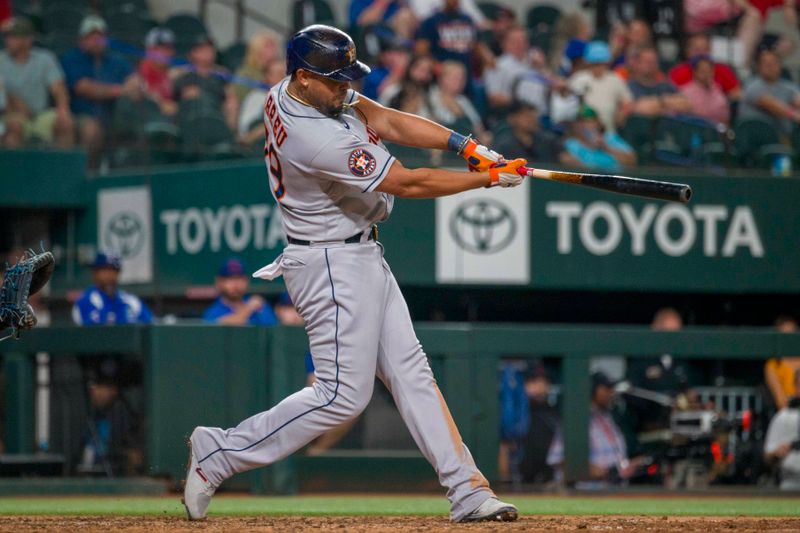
[103, 303]
[95, 79]
[234, 306]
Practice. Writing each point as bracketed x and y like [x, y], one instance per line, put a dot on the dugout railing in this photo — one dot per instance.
[195, 374]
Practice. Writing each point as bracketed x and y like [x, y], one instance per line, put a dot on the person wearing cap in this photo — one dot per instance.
[155, 69]
[589, 145]
[96, 78]
[524, 135]
[600, 88]
[205, 83]
[608, 452]
[33, 77]
[653, 94]
[104, 303]
[234, 307]
[544, 420]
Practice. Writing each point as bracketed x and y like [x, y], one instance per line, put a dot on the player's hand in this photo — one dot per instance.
[479, 157]
[505, 174]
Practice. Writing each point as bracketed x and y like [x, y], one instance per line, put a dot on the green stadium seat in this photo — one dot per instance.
[186, 28]
[542, 17]
[690, 141]
[410, 157]
[489, 9]
[63, 18]
[305, 12]
[129, 28]
[163, 142]
[130, 117]
[757, 143]
[233, 56]
[205, 136]
[639, 131]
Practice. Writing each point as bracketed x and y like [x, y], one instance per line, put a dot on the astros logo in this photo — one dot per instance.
[361, 162]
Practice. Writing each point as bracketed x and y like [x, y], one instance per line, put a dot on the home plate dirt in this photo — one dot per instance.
[107, 524]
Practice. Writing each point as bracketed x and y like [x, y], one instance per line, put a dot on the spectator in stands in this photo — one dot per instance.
[543, 424]
[501, 22]
[653, 96]
[589, 145]
[391, 68]
[251, 112]
[155, 69]
[424, 9]
[33, 77]
[393, 14]
[113, 442]
[96, 78]
[525, 136]
[203, 83]
[569, 27]
[104, 303]
[234, 306]
[660, 374]
[769, 97]
[779, 372]
[608, 453]
[262, 50]
[601, 89]
[700, 17]
[451, 35]
[699, 45]
[420, 74]
[625, 40]
[782, 445]
[706, 96]
[449, 105]
[510, 67]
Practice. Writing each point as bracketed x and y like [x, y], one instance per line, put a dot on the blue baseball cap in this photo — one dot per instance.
[232, 266]
[597, 52]
[104, 260]
[575, 49]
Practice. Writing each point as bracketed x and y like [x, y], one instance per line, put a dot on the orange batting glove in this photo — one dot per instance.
[505, 174]
[479, 157]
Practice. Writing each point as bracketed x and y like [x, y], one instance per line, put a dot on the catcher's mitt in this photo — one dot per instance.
[28, 276]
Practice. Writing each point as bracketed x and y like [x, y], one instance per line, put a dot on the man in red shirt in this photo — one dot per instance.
[154, 69]
[699, 45]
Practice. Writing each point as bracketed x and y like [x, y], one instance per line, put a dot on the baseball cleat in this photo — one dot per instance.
[197, 489]
[492, 510]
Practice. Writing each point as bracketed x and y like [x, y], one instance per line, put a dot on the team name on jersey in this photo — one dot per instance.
[275, 123]
[372, 136]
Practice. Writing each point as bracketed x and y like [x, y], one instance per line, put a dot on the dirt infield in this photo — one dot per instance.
[22, 524]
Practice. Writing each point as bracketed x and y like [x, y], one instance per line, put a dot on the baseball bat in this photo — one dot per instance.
[661, 190]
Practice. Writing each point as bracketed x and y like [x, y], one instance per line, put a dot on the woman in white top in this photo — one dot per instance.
[448, 103]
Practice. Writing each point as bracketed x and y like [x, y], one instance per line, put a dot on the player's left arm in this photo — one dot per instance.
[411, 130]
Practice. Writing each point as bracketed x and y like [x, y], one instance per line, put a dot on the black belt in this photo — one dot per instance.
[373, 236]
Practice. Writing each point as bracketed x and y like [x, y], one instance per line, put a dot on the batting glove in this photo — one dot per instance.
[479, 157]
[505, 174]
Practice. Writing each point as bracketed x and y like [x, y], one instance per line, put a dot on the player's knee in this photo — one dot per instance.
[356, 400]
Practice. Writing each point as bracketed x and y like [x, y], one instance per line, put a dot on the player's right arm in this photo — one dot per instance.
[433, 182]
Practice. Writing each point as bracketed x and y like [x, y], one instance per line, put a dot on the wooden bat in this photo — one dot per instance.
[661, 190]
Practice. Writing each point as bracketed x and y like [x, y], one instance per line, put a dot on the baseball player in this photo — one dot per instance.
[333, 180]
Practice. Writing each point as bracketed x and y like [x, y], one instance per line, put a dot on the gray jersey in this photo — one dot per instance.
[322, 171]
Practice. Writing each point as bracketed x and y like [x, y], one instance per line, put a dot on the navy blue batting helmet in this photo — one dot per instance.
[326, 51]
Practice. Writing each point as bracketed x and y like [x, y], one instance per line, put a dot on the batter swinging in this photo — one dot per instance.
[334, 179]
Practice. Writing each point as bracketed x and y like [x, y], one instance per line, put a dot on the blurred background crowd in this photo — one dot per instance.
[604, 84]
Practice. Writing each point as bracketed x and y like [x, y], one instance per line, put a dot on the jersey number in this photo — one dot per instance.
[275, 170]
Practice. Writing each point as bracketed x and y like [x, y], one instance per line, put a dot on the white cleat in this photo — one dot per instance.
[492, 510]
[197, 489]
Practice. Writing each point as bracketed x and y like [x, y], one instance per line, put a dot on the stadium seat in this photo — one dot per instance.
[689, 141]
[130, 117]
[305, 12]
[186, 28]
[639, 131]
[233, 56]
[129, 28]
[206, 137]
[489, 9]
[757, 143]
[63, 18]
[542, 17]
[163, 142]
[410, 157]
[129, 7]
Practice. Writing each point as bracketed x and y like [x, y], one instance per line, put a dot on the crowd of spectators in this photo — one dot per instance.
[599, 90]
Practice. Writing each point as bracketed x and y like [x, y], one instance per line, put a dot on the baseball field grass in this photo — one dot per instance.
[399, 514]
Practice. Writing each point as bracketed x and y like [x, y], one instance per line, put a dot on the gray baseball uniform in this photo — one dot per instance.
[323, 173]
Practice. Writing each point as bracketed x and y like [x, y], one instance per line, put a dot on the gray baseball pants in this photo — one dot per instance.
[358, 326]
